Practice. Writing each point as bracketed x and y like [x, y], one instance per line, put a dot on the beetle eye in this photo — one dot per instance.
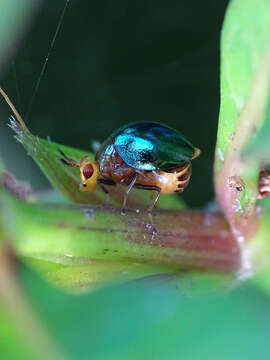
[88, 171]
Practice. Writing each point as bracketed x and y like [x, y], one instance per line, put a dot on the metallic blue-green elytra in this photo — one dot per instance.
[149, 146]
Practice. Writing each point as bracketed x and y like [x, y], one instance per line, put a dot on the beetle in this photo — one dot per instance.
[144, 155]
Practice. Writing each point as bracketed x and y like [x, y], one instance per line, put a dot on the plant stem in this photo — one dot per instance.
[184, 239]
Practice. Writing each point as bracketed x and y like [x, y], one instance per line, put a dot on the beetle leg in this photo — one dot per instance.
[149, 210]
[132, 183]
[153, 188]
[158, 190]
[101, 183]
[154, 230]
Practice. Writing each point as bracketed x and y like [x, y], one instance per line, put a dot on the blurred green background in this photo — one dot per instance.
[114, 62]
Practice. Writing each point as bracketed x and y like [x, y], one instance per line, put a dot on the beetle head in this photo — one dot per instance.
[89, 171]
[89, 174]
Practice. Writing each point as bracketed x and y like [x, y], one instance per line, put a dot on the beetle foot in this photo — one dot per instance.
[123, 211]
[154, 232]
[152, 226]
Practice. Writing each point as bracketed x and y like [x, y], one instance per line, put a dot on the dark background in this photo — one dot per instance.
[114, 62]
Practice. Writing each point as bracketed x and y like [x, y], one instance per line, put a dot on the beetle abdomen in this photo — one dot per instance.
[174, 180]
[169, 182]
[183, 177]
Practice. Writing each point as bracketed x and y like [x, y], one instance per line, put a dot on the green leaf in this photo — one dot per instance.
[245, 81]
[258, 150]
[11, 336]
[149, 319]
[244, 43]
[21, 334]
[67, 179]
[244, 123]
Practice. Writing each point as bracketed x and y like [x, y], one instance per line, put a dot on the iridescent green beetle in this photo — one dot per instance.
[145, 155]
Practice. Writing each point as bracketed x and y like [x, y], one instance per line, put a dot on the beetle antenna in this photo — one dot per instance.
[67, 160]
[72, 164]
[15, 112]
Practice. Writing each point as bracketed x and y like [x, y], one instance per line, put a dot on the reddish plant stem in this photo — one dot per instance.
[184, 239]
[203, 238]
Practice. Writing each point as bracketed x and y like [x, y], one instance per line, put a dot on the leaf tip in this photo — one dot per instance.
[17, 128]
[15, 112]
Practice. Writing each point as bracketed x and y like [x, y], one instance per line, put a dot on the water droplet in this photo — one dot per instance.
[237, 206]
[89, 212]
[240, 239]
[220, 154]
